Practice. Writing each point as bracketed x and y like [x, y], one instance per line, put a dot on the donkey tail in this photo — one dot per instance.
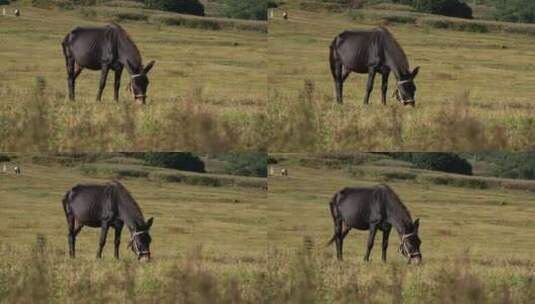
[334, 214]
[65, 202]
[333, 57]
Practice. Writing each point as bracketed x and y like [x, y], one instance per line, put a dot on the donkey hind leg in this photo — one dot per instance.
[118, 229]
[74, 229]
[340, 234]
[69, 63]
[371, 238]
[341, 75]
[369, 85]
[102, 241]
[386, 234]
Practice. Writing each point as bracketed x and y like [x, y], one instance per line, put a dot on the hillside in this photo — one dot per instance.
[473, 91]
[481, 236]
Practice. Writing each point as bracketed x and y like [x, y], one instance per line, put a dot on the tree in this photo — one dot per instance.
[190, 7]
[437, 161]
[246, 9]
[452, 8]
[174, 160]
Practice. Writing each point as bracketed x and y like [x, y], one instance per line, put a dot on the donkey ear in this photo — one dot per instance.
[415, 72]
[148, 67]
[149, 223]
[416, 224]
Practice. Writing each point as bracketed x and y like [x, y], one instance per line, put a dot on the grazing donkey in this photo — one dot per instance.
[374, 208]
[105, 206]
[105, 48]
[372, 52]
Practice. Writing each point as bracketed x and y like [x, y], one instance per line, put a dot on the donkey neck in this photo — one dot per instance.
[129, 53]
[397, 62]
[132, 225]
[401, 71]
[399, 217]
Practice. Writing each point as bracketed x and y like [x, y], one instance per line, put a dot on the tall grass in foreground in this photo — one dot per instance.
[312, 121]
[41, 119]
[45, 274]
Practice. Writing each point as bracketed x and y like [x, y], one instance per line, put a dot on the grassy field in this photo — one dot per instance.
[474, 89]
[207, 90]
[208, 243]
[477, 245]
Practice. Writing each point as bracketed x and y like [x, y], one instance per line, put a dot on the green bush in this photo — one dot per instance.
[130, 16]
[247, 164]
[520, 165]
[437, 161]
[246, 9]
[4, 2]
[45, 4]
[4, 158]
[452, 8]
[516, 11]
[190, 7]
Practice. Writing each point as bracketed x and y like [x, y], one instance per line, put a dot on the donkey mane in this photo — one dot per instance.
[127, 41]
[392, 196]
[393, 47]
[129, 206]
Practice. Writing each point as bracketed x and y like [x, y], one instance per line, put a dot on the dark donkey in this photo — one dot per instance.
[105, 206]
[371, 209]
[105, 48]
[372, 52]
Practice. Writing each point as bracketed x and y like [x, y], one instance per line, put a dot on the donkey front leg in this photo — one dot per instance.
[102, 84]
[384, 86]
[117, 84]
[369, 85]
[118, 229]
[102, 241]
[386, 234]
[371, 238]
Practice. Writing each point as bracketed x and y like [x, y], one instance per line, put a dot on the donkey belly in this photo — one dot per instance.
[357, 222]
[88, 61]
[87, 51]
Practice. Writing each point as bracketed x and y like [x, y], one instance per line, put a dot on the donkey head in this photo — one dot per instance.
[140, 241]
[139, 81]
[406, 89]
[410, 244]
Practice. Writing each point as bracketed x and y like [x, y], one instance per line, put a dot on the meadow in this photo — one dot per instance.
[208, 240]
[474, 89]
[477, 244]
[207, 90]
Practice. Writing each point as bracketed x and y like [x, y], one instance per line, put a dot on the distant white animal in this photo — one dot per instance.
[284, 172]
[271, 171]
[17, 12]
[285, 15]
[17, 170]
[4, 169]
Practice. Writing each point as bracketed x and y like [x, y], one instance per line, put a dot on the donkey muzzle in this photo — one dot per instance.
[144, 258]
[408, 103]
[415, 260]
